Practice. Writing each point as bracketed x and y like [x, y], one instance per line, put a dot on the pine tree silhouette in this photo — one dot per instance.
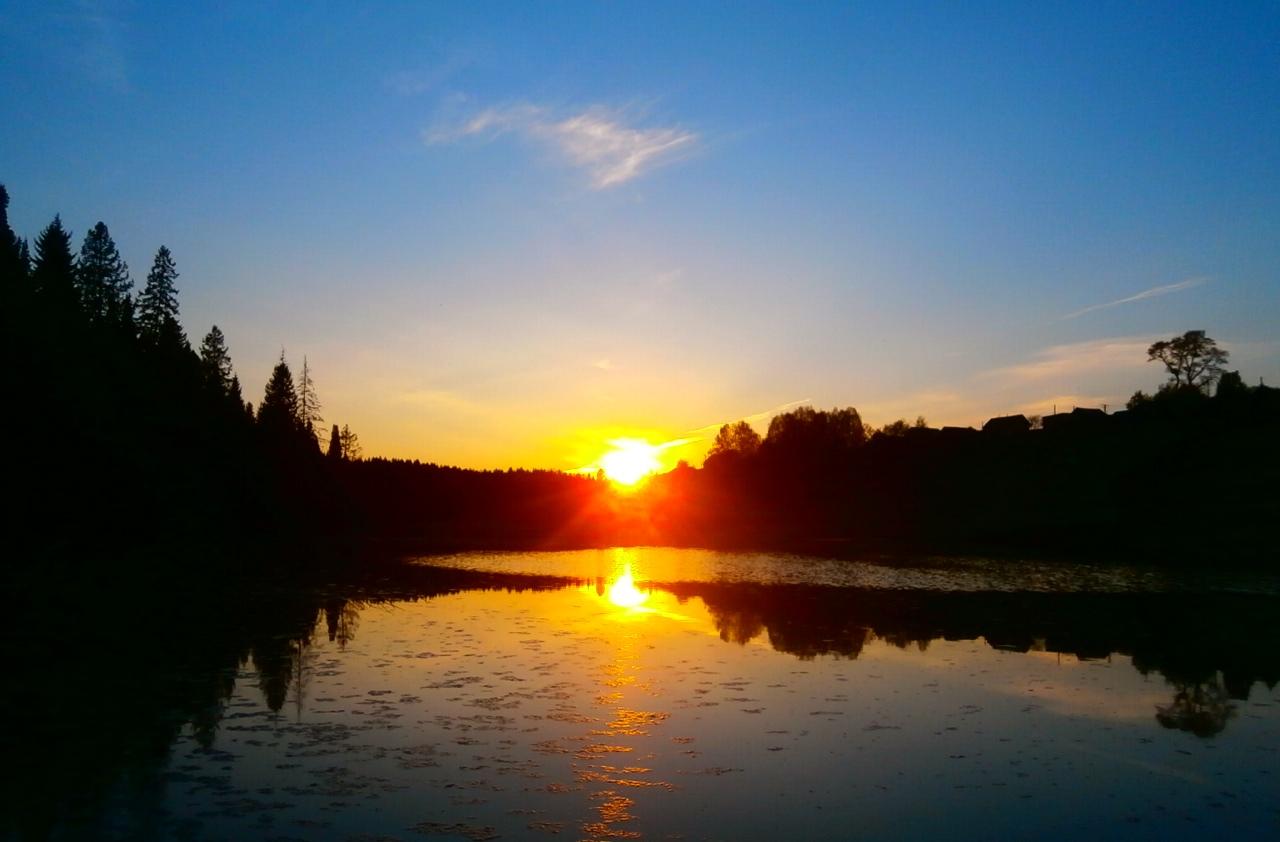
[215, 362]
[309, 418]
[103, 279]
[158, 323]
[278, 413]
[53, 273]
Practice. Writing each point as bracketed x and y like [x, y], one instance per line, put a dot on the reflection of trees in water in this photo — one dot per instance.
[1180, 637]
[1202, 708]
[341, 618]
[739, 627]
[132, 672]
[111, 710]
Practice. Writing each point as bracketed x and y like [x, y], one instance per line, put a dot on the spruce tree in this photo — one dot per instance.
[237, 397]
[158, 324]
[335, 444]
[53, 273]
[215, 362]
[103, 279]
[278, 412]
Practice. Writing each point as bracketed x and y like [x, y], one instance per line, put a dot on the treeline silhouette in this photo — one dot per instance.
[126, 438]
[129, 437]
[1178, 475]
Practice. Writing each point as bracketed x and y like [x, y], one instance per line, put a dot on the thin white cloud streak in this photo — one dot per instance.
[667, 445]
[1154, 292]
[595, 140]
[1078, 359]
[752, 419]
[1088, 373]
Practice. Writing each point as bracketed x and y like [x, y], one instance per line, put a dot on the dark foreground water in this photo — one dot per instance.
[668, 694]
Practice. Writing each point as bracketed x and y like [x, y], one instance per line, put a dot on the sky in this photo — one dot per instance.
[505, 234]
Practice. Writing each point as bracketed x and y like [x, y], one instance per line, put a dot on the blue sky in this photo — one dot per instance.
[503, 233]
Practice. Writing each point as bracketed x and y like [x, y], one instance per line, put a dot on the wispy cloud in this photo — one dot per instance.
[1077, 359]
[1154, 292]
[427, 78]
[597, 140]
[751, 419]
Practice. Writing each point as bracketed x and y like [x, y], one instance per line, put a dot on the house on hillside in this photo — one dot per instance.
[1007, 425]
[1079, 419]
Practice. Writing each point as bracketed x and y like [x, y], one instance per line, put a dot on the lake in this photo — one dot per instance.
[654, 693]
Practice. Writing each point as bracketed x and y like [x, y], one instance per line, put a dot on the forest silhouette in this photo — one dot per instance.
[130, 439]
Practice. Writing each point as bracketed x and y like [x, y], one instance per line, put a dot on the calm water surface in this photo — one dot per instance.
[740, 698]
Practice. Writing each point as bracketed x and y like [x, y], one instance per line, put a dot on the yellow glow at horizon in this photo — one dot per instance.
[624, 592]
[630, 461]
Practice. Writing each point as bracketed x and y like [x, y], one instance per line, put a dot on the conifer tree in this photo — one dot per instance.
[278, 412]
[237, 396]
[215, 362]
[103, 279]
[158, 305]
[53, 273]
[350, 443]
[309, 418]
[335, 444]
[14, 266]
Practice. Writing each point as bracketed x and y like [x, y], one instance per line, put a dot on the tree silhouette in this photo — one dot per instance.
[53, 273]
[1231, 386]
[103, 279]
[335, 446]
[215, 362]
[158, 305]
[1193, 360]
[237, 397]
[309, 405]
[278, 413]
[738, 438]
[350, 443]
[13, 255]
[808, 434]
[901, 427]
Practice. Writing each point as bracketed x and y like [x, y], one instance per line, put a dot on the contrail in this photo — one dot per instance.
[1154, 292]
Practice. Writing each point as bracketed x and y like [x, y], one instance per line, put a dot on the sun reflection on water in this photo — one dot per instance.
[624, 592]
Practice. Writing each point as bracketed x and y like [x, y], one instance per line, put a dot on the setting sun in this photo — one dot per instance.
[630, 461]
